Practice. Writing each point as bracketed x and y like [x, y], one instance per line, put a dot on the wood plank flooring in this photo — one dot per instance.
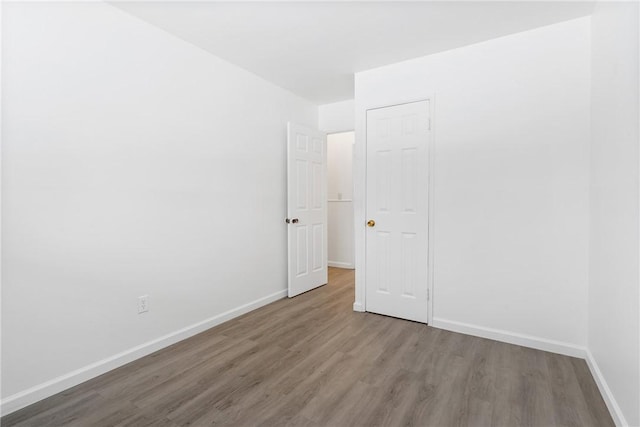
[312, 361]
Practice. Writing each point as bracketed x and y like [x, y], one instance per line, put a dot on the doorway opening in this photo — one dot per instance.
[340, 224]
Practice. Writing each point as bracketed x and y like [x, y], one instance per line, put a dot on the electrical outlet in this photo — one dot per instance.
[143, 304]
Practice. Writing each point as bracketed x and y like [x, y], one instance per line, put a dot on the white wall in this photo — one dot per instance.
[614, 295]
[511, 122]
[337, 117]
[340, 194]
[133, 163]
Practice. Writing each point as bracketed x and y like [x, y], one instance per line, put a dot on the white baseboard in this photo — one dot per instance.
[34, 394]
[605, 391]
[61, 383]
[511, 337]
[545, 345]
[339, 264]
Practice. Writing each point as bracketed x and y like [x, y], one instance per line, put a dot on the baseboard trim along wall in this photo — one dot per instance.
[545, 345]
[605, 391]
[34, 394]
[64, 382]
[511, 337]
[340, 264]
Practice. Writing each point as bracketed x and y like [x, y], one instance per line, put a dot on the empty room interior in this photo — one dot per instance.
[320, 213]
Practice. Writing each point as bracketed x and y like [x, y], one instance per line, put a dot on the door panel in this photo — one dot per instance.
[397, 200]
[306, 208]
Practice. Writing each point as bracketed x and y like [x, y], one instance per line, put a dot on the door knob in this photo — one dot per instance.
[371, 223]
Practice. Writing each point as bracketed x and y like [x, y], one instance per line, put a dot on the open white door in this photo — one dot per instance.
[306, 208]
[397, 211]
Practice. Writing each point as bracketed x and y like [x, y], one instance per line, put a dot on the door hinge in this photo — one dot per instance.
[428, 294]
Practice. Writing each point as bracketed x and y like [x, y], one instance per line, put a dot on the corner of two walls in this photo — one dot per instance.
[614, 266]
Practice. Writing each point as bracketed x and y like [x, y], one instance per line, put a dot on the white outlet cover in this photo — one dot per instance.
[143, 304]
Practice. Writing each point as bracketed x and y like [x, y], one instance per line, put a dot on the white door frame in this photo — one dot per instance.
[360, 200]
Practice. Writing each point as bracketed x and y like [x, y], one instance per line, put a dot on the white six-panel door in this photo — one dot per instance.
[306, 208]
[397, 203]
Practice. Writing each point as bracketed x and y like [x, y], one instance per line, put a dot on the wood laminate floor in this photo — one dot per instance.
[312, 361]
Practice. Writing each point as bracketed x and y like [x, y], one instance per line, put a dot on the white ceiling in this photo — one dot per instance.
[313, 49]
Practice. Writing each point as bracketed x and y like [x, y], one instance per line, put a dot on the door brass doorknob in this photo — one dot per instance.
[371, 223]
